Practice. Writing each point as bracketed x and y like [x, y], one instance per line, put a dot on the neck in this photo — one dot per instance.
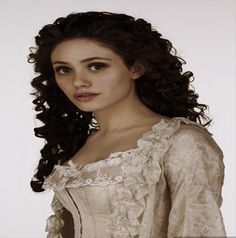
[122, 116]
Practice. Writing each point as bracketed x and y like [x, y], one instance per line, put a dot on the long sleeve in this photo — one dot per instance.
[194, 170]
[55, 222]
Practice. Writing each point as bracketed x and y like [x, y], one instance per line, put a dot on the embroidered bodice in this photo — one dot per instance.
[169, 186]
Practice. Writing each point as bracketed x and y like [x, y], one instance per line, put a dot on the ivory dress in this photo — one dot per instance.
[169, 186]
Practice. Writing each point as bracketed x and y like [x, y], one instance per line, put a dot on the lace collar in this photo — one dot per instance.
[159, 132]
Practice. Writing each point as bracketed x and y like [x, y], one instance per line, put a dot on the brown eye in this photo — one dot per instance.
[96, 66]
[62, 70]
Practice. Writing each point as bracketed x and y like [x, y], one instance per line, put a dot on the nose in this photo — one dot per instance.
[80, 80]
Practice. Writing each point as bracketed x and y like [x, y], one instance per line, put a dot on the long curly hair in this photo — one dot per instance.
[164, 87]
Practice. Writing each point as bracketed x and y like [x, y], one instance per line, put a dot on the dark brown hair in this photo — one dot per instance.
[164, 88]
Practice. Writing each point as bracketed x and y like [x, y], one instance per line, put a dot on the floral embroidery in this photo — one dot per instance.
[139, 172]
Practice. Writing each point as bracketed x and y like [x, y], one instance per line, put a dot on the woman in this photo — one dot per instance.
[126, 152]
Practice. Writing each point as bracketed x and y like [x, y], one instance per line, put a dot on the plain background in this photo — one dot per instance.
[202, 31]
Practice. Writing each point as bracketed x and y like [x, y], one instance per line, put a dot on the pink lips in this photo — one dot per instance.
[86, 96]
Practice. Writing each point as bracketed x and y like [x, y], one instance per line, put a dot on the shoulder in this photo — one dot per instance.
[192, 135]
[191, 143]
[193, 159]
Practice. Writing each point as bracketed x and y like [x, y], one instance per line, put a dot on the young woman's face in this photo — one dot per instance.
[83, 65]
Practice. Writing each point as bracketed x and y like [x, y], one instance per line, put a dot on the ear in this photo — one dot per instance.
[137, 70]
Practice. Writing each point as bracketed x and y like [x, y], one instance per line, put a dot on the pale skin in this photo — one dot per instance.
[121, 116]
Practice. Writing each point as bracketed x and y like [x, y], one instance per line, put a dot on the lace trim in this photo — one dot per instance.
[140, 171]
[74, 176]
[141, 175]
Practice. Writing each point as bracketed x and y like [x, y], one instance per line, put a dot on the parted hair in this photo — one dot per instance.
[164, 87]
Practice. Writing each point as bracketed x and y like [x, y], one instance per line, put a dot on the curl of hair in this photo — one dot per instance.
[163, 88]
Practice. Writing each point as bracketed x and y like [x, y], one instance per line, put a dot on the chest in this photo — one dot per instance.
[100, 148]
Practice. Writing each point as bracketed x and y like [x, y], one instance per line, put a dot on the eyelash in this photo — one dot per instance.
[101, 67]
[59, 68]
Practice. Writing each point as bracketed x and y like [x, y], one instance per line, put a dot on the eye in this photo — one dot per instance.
[62, 70]
[97, 66]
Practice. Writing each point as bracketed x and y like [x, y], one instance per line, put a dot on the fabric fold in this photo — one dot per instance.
[132, 202]
[141, 175]
[55, 223]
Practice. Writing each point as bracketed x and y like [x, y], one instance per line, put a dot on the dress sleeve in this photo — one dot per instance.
[194, 170]
[55, 222]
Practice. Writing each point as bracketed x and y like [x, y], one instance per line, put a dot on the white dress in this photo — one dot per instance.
[169, 186]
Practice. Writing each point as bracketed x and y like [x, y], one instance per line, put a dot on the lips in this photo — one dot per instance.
[85, 97]
[85, 94]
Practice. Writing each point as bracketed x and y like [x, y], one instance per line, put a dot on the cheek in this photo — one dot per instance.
[116, 80]
[117, 90]
[63, 85]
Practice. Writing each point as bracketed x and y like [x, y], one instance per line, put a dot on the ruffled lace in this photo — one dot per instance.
[91, 174]
[141, 174]
[74, 176]
[139, 171]
[55, 223]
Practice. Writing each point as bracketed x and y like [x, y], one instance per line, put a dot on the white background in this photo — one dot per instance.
[203, 32]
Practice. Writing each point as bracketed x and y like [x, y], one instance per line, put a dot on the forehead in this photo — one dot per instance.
[81, 49]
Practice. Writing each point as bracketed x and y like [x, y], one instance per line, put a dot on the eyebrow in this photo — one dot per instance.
[82, 61]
